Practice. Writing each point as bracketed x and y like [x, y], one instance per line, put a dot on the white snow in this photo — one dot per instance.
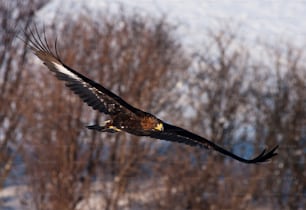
[267, 19]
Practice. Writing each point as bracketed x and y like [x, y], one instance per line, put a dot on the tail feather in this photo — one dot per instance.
[95, 127]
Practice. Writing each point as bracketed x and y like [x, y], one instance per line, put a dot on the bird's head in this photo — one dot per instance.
[152, 123]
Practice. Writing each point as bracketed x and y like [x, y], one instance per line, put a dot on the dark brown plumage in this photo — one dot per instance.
[124, 117]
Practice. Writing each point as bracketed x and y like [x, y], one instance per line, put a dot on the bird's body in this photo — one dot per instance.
[139, 125]
[123, 116]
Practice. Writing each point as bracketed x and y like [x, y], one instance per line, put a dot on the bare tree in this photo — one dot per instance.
[281, 102]
[13, 15]
[133, 57]
[217, 91]
[247, 103]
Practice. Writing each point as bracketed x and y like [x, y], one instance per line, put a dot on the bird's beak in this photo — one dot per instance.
[159, 127]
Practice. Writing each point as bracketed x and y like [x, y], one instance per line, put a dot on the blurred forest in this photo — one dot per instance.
[242, 100]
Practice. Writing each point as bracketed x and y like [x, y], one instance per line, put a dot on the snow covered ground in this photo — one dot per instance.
[18, 197]
[13, 198]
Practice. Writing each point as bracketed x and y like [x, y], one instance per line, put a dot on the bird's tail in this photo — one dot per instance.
[95, 127]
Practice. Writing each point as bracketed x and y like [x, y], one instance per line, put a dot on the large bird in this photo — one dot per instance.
[123, 116]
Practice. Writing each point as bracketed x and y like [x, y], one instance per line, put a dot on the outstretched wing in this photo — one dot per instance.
[177, 134]
[94, 94]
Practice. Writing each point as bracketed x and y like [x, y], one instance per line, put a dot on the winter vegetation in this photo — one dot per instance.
[225, 92]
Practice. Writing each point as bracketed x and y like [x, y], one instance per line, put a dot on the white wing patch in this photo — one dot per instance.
[63, 70]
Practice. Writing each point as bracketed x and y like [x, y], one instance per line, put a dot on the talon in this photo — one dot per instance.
[105, 126]
[115, 129]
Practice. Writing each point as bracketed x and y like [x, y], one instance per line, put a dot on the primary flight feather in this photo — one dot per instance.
[124, 117]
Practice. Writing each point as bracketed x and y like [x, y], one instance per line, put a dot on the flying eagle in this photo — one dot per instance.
[123, 116]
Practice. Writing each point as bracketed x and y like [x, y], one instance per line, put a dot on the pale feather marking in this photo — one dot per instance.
[63, 70]
[94, 90]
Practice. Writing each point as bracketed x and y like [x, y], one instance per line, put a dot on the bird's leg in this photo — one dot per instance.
[106, 126]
